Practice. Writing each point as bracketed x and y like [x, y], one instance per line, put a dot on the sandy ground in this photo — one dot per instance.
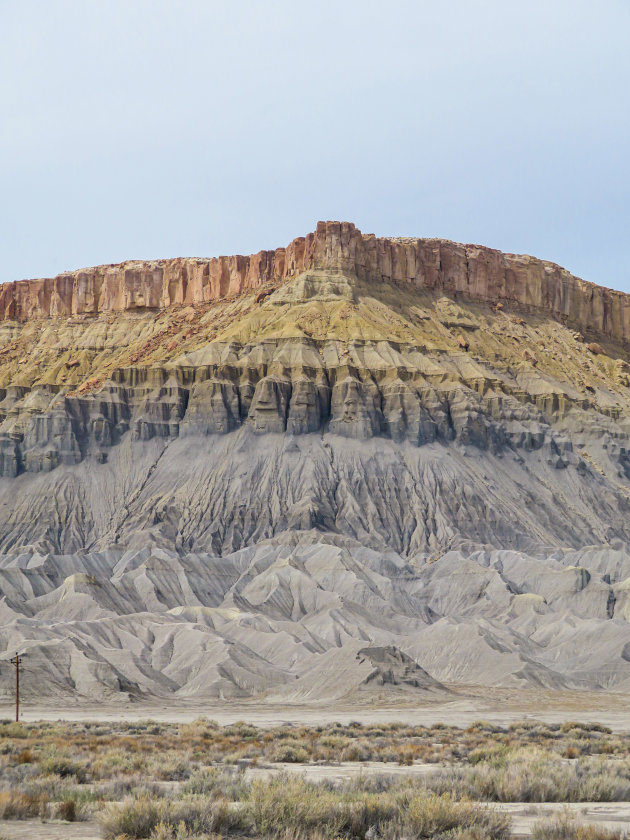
[501, 706]
[343, 771]
[36, 830]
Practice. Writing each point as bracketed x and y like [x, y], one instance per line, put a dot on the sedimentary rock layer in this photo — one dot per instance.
[471, 271]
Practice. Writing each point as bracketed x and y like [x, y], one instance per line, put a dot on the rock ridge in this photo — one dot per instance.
[468, 271]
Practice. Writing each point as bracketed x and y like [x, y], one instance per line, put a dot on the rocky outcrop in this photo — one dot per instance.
[268, 390]
[468, 271]
[393, 667]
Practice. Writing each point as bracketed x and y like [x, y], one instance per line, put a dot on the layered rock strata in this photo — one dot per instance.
[472, 271]
[352, 465]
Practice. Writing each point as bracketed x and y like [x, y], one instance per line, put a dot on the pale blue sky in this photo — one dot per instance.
[160, 128]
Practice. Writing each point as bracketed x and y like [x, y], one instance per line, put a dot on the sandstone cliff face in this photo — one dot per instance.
[470, 271]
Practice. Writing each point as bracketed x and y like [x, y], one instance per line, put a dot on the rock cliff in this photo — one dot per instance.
[469, 271]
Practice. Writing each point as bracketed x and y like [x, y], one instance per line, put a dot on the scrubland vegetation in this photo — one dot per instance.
[291, 807]
[163, 781]
[565, 827]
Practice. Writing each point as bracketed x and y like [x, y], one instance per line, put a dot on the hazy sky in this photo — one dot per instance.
[160, 128]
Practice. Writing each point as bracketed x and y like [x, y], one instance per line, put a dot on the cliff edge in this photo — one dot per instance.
[470, 271]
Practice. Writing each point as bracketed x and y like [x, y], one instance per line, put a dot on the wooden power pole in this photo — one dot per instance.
[17, 661]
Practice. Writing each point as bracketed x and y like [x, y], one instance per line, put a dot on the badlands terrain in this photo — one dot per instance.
[352, 470]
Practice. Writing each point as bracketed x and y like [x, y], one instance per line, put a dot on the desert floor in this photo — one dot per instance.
[499, 706]
[468, 704]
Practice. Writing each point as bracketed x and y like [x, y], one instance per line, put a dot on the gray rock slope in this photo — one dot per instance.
[299, 618]
[250, 565]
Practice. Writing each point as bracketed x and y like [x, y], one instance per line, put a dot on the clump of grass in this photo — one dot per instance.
[290, 804]
[135, 818]
[14, 730]
[439, 816]
[140, 818]
[67, 810]
[565, 827]
[290, 808]
[18, 805]
[64, 766]
[405, 756]
[291, 753]
[532, 775]
[175, 770]
[48, 797]
[114, 790]
[219, 782]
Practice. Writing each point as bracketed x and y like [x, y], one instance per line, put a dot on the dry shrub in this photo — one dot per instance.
[434, 816]
[134, 818]
[291, 805]
[17, 805]
[565, 827]
[14, 730]
[64, 766]
[115, 762]
[291, 752]
[585, 728]
[139, 818]
[359, 750]
[533, 775]
[405, 756]
[67, 810]
[218, 782]
[490, 754]
[174, 769]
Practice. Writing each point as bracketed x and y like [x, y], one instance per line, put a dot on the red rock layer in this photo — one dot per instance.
[469, 270]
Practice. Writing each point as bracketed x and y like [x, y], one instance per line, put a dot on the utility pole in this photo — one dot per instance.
[17, 661]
